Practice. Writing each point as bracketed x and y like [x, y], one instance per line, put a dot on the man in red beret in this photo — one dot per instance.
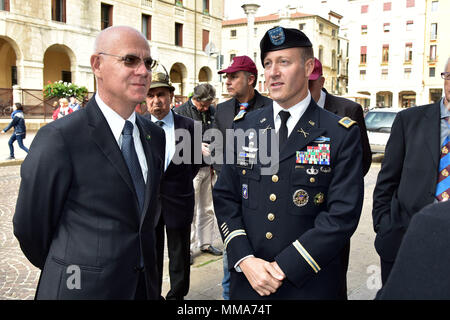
[241, 77]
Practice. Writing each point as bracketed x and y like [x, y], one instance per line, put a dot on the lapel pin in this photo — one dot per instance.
[147, 137]
[312, 122]
[267, 128]
[262, 120]
[303, 131]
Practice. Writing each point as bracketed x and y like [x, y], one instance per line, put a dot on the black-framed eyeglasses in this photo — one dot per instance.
[132, 61]
[445, 75]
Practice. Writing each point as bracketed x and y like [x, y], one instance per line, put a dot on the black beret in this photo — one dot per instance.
[279, 38]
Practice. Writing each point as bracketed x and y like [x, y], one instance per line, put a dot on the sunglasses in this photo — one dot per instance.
[132, 61]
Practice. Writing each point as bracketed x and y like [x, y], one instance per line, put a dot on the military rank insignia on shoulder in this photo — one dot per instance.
[346, 122]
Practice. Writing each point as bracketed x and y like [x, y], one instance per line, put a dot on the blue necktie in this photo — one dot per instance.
[443, 185]
[130, 156]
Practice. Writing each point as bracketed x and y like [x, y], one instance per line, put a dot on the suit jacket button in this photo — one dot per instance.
[273, 197]
[312, 179]
[244, 172]
[269, 235]
[270, 217]
[274, 178]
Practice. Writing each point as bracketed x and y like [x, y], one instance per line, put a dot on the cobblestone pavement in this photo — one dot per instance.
[18, 277]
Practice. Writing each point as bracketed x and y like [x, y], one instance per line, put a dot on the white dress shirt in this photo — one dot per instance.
[169, 129]
[321, 102]
[116, 123]
[296, 112]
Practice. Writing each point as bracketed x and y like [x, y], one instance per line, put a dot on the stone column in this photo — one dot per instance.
[250, 10]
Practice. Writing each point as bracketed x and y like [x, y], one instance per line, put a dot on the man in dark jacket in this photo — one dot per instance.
[177, 190]
[20, 130]
[199, 109]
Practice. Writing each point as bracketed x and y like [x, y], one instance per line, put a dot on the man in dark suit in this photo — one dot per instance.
[421, 268]
[285, 222]
[341, 107]
[86, 206]
[177, 190]
[410, 174]
[241, 78]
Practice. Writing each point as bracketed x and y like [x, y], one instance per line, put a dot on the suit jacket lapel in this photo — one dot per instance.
[432, 131]
[102, 135]
[149, 156]
[304, 132]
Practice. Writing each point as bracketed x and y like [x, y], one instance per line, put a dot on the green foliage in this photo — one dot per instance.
[62, 89]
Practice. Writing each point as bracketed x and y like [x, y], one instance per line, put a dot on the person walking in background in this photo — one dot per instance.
[241, 78]
[20, 130]
[199, 108]
[63, 109]
[74, 104]
[414, 172]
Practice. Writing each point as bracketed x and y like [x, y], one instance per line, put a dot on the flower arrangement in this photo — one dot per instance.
[62, 89]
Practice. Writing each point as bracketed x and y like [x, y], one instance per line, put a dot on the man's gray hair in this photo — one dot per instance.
[204, 92]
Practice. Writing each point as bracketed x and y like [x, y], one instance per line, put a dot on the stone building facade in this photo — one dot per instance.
[51, 40]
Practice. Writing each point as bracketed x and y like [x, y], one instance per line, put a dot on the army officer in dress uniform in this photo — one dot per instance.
[285, 232]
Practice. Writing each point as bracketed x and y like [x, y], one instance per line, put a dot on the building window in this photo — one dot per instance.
[408, 52]
[205, 38]
[362, 74]
[410, 3]
[107, 16]
[59, 10]
[384, 73]
[433, 55]
[333, 60]
[206, 6]
[385, 54]
[432, 72]
[386, 27]
[433, 31]
[409, 25]
[13, 75]
[178, 34]
[387, 6]
[232, 55]
[320, 53]
[147, 26]
[233, 33]
[407, 73]
[321, 27]
[4, 5]
[301, 26]
[363, 59]
[434, 6]
[364, 29]
[365, 8]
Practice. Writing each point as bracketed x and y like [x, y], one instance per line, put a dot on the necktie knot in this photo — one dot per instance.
[243, 106]
[284, 115]
[128, 128]
[160, 123]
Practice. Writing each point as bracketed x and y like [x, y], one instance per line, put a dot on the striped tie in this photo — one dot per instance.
[443, 185]
[242, 110]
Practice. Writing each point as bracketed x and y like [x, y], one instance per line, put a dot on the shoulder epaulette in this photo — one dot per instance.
[346, 122]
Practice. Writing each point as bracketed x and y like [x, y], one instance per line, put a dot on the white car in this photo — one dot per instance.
[379, 122]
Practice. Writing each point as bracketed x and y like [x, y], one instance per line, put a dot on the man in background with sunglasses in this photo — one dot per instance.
[414, 172]
[86, 206]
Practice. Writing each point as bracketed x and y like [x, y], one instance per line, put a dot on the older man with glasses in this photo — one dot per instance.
[86, 208]
[414, 172]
